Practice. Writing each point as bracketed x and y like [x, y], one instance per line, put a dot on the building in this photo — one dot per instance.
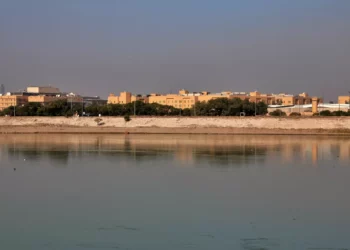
[289, 100]
[177, 101]
[43, 99]
[344, 99]
[185, 99]
[93, 100]
[12, 100]
[48, 90]
[257, 97]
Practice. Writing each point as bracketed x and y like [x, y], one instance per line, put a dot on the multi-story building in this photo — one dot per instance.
[12, 100]
[41, 95]
[184, 99]
[47, 99]
[177, 101]
[46, 90]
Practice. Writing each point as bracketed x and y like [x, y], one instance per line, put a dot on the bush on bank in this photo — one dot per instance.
[334, 113]
[216, 107]
[277, 112]
[295, 114]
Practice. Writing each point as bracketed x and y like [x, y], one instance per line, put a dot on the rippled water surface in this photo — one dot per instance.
[158, 192]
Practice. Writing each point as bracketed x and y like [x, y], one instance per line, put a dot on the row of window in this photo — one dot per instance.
[184, 101]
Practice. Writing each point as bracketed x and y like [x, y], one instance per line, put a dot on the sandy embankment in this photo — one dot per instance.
[166, 125]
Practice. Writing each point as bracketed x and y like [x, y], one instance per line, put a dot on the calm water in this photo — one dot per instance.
[174, 192]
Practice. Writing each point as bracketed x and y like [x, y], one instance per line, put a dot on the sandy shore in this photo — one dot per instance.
[177, 125]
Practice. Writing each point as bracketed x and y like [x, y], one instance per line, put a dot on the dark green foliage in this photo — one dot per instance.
[277, 112]
[325, 113]
[294, 114]
[215, 107]
[127, 118]
[229, 107]
[334, 113]
[340, 113]
[187, 112]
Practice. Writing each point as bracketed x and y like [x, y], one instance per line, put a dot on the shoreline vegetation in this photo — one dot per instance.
[177, 125]
[215, 107]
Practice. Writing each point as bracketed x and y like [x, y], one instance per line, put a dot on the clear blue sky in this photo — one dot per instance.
[102, 46]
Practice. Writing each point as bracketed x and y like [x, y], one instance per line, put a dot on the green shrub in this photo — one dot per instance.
[325, 113]
[340, 113]
[294, 114]
[127, 118]
[277, 112]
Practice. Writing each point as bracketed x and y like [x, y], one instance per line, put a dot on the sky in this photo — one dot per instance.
[97, 47]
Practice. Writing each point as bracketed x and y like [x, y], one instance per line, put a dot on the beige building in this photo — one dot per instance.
[177, 101]
[344, 99]
[286, 99]
[47, 99]
[12, 100]
[42, 90]
[184, 99]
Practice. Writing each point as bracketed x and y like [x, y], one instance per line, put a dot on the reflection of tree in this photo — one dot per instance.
[230, 155]
[230, 152]
[55, 157]
[215, 155]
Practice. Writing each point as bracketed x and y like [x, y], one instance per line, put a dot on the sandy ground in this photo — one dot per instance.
[177, 125]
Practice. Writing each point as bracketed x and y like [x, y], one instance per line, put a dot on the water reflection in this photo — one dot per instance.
[218, 150]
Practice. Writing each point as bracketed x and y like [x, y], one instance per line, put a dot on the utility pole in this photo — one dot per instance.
[255, 106]
[135, 108]
[82, 106]
[14, 110]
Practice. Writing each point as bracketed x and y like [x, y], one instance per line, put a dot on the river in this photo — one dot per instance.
[174, 192]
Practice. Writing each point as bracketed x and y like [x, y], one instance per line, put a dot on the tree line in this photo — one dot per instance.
[215, 107]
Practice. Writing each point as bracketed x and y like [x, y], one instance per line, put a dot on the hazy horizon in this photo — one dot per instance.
[98, 47]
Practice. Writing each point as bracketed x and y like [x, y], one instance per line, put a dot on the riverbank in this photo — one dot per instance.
[177, 125]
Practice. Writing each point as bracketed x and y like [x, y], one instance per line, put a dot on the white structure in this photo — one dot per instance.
[43, 90]
[307, 108]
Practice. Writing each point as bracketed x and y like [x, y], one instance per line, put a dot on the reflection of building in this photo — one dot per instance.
[344, 152]
[314, 153]
[184, 154]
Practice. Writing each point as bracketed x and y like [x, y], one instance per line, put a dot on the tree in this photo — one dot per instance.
[261, 108]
